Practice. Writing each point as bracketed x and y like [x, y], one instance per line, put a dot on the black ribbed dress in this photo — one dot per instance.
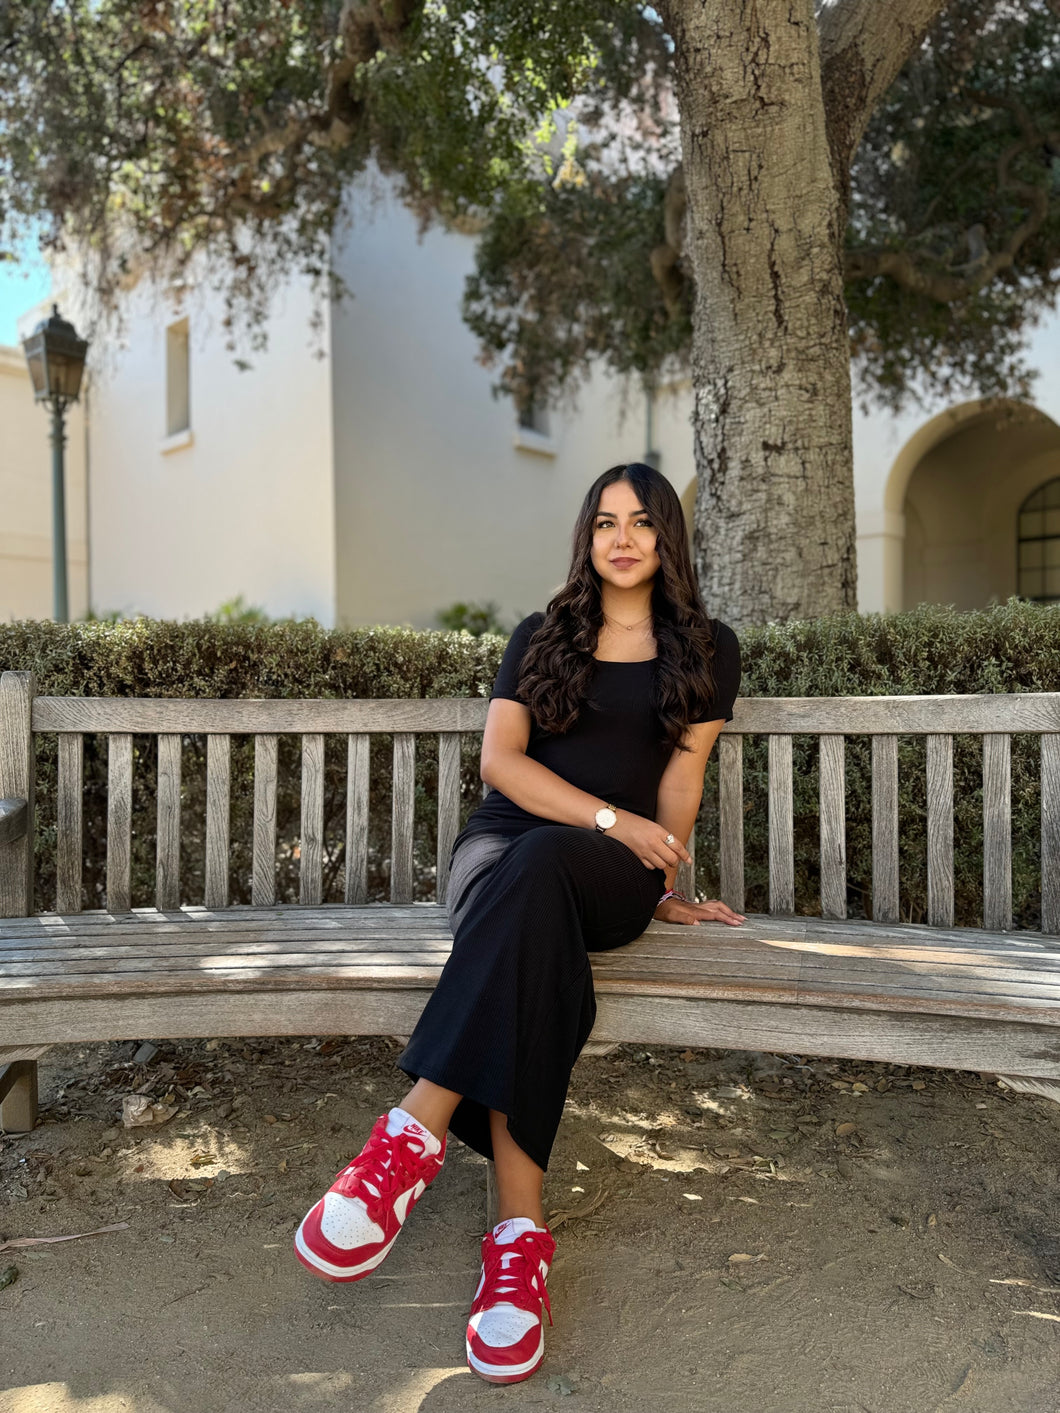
[529, 898]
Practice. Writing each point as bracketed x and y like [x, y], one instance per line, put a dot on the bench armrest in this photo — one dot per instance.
[12, 820]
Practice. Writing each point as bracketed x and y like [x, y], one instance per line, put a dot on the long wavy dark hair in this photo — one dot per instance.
[557, 667]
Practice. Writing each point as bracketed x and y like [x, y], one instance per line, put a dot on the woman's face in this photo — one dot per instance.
[623, 532]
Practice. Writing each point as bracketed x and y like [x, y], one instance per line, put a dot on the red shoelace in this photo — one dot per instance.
[385, 1164]
[513, 1273]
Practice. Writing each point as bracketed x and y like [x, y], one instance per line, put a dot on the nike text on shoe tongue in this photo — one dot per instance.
[512, 1227]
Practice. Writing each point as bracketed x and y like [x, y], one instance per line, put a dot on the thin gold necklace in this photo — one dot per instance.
[628, 626]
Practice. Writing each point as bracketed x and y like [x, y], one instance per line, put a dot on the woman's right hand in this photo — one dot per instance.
[648, 841]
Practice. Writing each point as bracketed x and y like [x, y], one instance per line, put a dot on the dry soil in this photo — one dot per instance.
[735, 1232]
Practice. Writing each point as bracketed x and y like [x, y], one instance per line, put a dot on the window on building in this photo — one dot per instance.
[178, 380]
[533, 417]
[1039, 544]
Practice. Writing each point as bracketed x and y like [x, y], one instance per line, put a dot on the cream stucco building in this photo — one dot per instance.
[365, 474]
[26, 499]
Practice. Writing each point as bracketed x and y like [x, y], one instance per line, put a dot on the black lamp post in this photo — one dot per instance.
[56, 358]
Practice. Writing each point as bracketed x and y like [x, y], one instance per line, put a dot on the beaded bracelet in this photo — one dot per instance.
[672, 893]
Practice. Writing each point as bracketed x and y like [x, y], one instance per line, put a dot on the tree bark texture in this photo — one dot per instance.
[774, 517]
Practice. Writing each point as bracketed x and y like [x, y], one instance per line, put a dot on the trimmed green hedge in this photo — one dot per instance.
[1010, 647]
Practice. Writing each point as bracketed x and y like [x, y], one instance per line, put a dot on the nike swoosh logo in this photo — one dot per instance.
[405, 1201]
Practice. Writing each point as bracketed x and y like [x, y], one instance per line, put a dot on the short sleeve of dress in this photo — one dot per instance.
[507, 679]
[727, 672]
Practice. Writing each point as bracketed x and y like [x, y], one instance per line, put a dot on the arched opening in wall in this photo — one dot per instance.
[1038, 544]
[960, 486]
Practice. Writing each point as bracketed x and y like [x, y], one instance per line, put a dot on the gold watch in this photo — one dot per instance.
[605, 818]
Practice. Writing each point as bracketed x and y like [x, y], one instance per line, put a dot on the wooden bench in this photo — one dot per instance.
[982, 999]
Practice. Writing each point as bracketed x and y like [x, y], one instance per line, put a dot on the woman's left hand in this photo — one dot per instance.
[713, 910]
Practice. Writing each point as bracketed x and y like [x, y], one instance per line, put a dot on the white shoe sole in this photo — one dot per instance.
[506, 1373]
[334, 1272]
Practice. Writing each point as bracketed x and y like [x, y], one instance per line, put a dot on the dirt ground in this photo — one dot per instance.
[735, 1232]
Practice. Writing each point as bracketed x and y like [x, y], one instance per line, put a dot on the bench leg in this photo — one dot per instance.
[18, 1096]
[491, 1195]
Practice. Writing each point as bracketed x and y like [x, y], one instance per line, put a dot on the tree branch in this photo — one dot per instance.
[944, 286]
[365, 27]
[666, 258]
[863, 45]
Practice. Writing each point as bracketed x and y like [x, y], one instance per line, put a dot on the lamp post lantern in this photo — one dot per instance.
[56, 358]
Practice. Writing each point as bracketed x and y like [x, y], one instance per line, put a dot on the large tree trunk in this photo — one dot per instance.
[774, 516]
[773, 105]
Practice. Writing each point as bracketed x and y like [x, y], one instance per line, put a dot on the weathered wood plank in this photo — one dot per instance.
[730, 820]
[218, 819]
[380, 954]
[867, 996]
[263, 880]
[22, 1052]
[999, 1047]
[311, 847]
[833, 826]
[18, 1096]
[404, 800]
[448, 805]
[997, 832]
[493, 1201]
[259, 717]
[68, 840]
[685, 877]
[686, 957]
[940, 830]
[119, 820]
[901, 1038]
[1050, 870]
[919, 984]
[974, 712]
[357, 766]
[781, 827]
[167, 871]
[17, 769]
[416, 918]
[885, 828]
[850, 716]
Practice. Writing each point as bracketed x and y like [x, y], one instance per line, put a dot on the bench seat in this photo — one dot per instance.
[986, 999]
[904, 993]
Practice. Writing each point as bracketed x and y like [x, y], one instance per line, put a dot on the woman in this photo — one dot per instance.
[602, 716]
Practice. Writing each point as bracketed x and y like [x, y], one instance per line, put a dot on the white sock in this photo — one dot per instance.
[399, 1119]
[512, 1228]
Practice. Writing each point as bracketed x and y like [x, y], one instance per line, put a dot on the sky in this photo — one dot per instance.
[22, 284]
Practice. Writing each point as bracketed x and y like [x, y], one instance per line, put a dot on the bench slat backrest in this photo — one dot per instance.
[997, 831]
[263, 878]
[832, 794]
[994, 717]
[885, 827]
[357, 817]
[17, 783]
[218, 816]
[940, 830]
[1051, 834]
[68, 842]
[167, 867]
[119, 820]
[781, 826]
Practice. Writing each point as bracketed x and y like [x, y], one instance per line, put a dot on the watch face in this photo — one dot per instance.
[605, 818]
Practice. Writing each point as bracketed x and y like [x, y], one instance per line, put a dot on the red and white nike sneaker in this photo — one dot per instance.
[354, 1225]
[505, 1332]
